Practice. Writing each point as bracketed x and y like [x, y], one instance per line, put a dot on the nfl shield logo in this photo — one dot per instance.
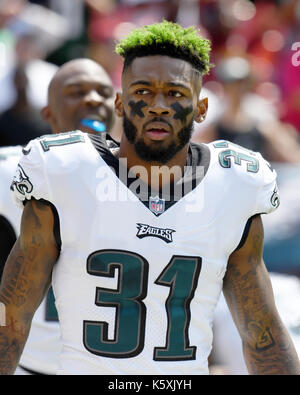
[157, 205]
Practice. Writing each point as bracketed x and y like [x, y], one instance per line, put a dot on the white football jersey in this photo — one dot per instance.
[138, 276]
[43, 345]
[9, 158]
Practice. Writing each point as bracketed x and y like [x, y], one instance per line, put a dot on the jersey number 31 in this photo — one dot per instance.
[180, 275]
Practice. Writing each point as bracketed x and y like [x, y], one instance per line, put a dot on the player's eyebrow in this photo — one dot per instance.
[85, 82]
[80, 84]
[73, 85]
[177, 85]
[141, 82]
[169, 84]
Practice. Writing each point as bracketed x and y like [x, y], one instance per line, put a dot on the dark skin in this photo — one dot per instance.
[80, 89]
[267, 346]
[26, 279]
[164, 89]
[136, 108]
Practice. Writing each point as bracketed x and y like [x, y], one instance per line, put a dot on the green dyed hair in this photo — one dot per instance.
[169, 39]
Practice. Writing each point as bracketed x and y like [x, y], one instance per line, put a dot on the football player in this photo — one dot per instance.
[80, 97]
[149, 233]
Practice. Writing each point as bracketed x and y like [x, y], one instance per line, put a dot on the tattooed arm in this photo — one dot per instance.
[267, 346]
[26, 278]
[7, 240]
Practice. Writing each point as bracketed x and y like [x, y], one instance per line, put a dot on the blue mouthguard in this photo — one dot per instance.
[97, 126]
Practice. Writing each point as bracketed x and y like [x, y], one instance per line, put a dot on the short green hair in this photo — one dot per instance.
[169, 39]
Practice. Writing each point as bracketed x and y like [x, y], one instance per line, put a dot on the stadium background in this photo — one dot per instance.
[256, 50]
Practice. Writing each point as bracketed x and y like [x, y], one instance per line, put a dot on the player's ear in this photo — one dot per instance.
[201, 112]
[46, 114]
[119, 104]
[49, 118]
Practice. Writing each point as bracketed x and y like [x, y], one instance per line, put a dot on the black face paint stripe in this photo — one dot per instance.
[181, 112]
[136, 108]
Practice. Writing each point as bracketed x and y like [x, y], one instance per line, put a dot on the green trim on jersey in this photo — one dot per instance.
[56, 140]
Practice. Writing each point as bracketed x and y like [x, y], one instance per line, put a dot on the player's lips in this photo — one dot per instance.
[157, 134]
[157, 130]
[94, 117]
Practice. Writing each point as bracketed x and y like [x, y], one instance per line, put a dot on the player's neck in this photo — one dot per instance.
[153, 173]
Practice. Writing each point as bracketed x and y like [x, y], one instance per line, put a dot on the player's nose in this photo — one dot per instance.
[93, 98]
[159, 106]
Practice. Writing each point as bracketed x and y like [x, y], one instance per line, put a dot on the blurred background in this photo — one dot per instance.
[253, 90]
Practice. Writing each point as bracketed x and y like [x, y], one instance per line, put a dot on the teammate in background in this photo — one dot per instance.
[10, 215]
[80, 96]
[143, 257]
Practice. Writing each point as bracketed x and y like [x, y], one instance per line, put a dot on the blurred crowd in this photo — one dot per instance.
[254, 90]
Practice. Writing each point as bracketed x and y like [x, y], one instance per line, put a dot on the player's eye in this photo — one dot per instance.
[174, 93]
[142, 91]
[76, 92]
[106, 93]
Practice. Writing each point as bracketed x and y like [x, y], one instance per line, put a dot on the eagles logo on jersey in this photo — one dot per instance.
[145, 230]
[21, 181]
[275, 200]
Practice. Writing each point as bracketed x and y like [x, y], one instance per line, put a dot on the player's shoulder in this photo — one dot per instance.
[246, 170]
[73, 144]
[45, 143]
[61, 149]
[44, 157]
[236, 160]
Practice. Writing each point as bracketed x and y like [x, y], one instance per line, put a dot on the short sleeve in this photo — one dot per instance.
[29, 180]
[267, 198]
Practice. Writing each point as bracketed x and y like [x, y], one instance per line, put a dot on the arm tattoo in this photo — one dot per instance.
[266, 343]
[17, 282]
[264, 338]
[8, 347]
[25, 279]
[16, 286]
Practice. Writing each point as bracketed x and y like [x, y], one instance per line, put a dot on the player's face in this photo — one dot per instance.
[86, 93]
[159, 104]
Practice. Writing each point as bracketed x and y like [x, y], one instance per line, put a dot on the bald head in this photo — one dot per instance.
[72, 69]
[80, 89]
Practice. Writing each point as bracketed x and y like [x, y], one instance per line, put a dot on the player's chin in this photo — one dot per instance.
[156, 141]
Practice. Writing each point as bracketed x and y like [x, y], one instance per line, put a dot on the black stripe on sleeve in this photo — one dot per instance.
[246, 232]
